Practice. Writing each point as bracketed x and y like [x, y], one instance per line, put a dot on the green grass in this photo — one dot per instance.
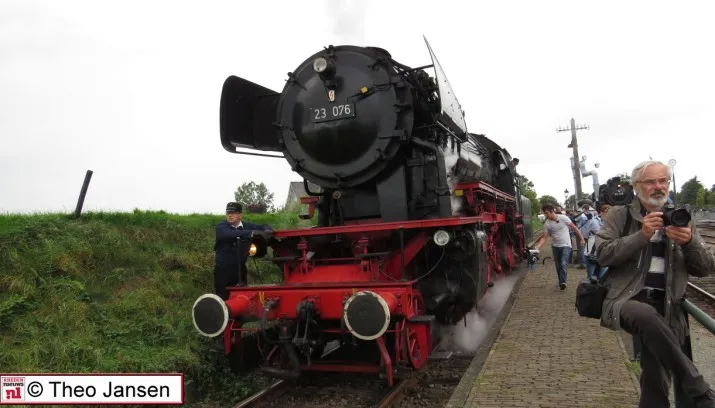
[536, 225]
[634, 366]
[112, 292]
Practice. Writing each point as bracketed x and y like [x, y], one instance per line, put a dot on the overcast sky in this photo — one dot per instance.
[131, 90]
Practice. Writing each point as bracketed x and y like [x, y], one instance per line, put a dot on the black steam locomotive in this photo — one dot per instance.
[417, 217]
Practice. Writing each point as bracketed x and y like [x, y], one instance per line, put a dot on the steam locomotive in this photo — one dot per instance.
[416, 217]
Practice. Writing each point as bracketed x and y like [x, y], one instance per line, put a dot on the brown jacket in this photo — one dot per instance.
[628, 261]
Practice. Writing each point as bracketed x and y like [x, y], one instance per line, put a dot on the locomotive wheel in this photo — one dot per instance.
[417, 344]
[508, 255]
[416, 336]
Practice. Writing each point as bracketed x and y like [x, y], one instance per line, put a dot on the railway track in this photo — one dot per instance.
[701, 291]
[432, 385]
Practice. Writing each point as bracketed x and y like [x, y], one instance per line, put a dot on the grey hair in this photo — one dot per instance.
[640, 168]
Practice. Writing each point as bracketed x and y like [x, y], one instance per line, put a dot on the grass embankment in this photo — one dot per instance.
[536, 225]
[112, 292]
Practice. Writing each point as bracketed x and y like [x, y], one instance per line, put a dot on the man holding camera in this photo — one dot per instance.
[233, 240]
[649, 259]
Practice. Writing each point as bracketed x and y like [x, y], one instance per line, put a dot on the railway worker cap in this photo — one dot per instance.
[233, 207]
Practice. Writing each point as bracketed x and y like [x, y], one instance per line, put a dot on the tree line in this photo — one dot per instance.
[256, 198]
[693, 192]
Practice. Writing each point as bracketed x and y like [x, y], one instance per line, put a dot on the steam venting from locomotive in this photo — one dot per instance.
[349, 20]
[468, 337]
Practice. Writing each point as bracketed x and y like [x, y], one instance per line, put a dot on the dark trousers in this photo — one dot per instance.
[661, 354]
[228, 275]
[561, 259]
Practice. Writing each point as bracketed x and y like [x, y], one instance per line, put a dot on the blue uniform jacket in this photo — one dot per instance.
[227, 238]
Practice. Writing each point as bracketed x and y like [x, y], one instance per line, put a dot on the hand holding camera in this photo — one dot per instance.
[679, 235]
[652, 223]
[675, 221]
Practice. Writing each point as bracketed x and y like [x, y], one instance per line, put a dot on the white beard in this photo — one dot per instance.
[656, 202]
[653, 202]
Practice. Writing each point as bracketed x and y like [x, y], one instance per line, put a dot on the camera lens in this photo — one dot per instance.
[680, 218]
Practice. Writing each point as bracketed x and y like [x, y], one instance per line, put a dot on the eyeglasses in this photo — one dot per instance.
[654, 182]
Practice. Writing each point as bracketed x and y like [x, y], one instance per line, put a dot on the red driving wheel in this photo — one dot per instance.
[417, 337]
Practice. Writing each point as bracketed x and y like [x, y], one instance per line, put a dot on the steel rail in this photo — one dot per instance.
[702, 291]
[396, 394]
[275, 387]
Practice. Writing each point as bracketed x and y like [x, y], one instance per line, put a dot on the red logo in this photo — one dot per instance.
[12, 389]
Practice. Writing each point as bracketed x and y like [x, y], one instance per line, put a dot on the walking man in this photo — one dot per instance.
[557, 227]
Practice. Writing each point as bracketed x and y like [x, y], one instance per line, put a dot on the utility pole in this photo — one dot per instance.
[575, 166]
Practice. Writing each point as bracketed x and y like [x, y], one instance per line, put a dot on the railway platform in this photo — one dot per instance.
[546, 355]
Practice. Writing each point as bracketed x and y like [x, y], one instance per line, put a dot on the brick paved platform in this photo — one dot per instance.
[548, 356]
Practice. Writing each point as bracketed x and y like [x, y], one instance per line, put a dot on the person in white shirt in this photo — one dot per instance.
[557, 227]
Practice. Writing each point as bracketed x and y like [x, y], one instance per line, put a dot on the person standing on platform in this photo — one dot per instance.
[588, 231]
[581, 221]
[649, 264]
[557, 226]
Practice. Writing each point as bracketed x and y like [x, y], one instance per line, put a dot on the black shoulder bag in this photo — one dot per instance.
[590, 293]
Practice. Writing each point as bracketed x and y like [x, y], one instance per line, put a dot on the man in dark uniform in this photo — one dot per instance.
[233, 236]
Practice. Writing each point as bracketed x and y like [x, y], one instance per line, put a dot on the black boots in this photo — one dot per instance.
[706, 400]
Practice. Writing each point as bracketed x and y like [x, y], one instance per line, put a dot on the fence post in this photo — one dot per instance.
[80, 201]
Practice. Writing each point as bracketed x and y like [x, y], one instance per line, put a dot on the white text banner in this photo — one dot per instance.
[92, 389]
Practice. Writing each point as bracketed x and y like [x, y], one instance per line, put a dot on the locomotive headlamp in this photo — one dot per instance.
[325, 68]
[320, 65]
[252, 249]
[441, 237]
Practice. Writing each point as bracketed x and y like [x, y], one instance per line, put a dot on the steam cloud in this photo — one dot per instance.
[348, 21]
[467, 339]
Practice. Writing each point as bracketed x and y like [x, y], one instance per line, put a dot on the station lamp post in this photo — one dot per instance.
[672, 164]
[566, 198]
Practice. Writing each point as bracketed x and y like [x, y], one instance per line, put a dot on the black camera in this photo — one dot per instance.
[532, 257]
[678, 217]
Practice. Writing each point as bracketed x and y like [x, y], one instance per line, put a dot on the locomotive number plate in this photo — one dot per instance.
[332, 112]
